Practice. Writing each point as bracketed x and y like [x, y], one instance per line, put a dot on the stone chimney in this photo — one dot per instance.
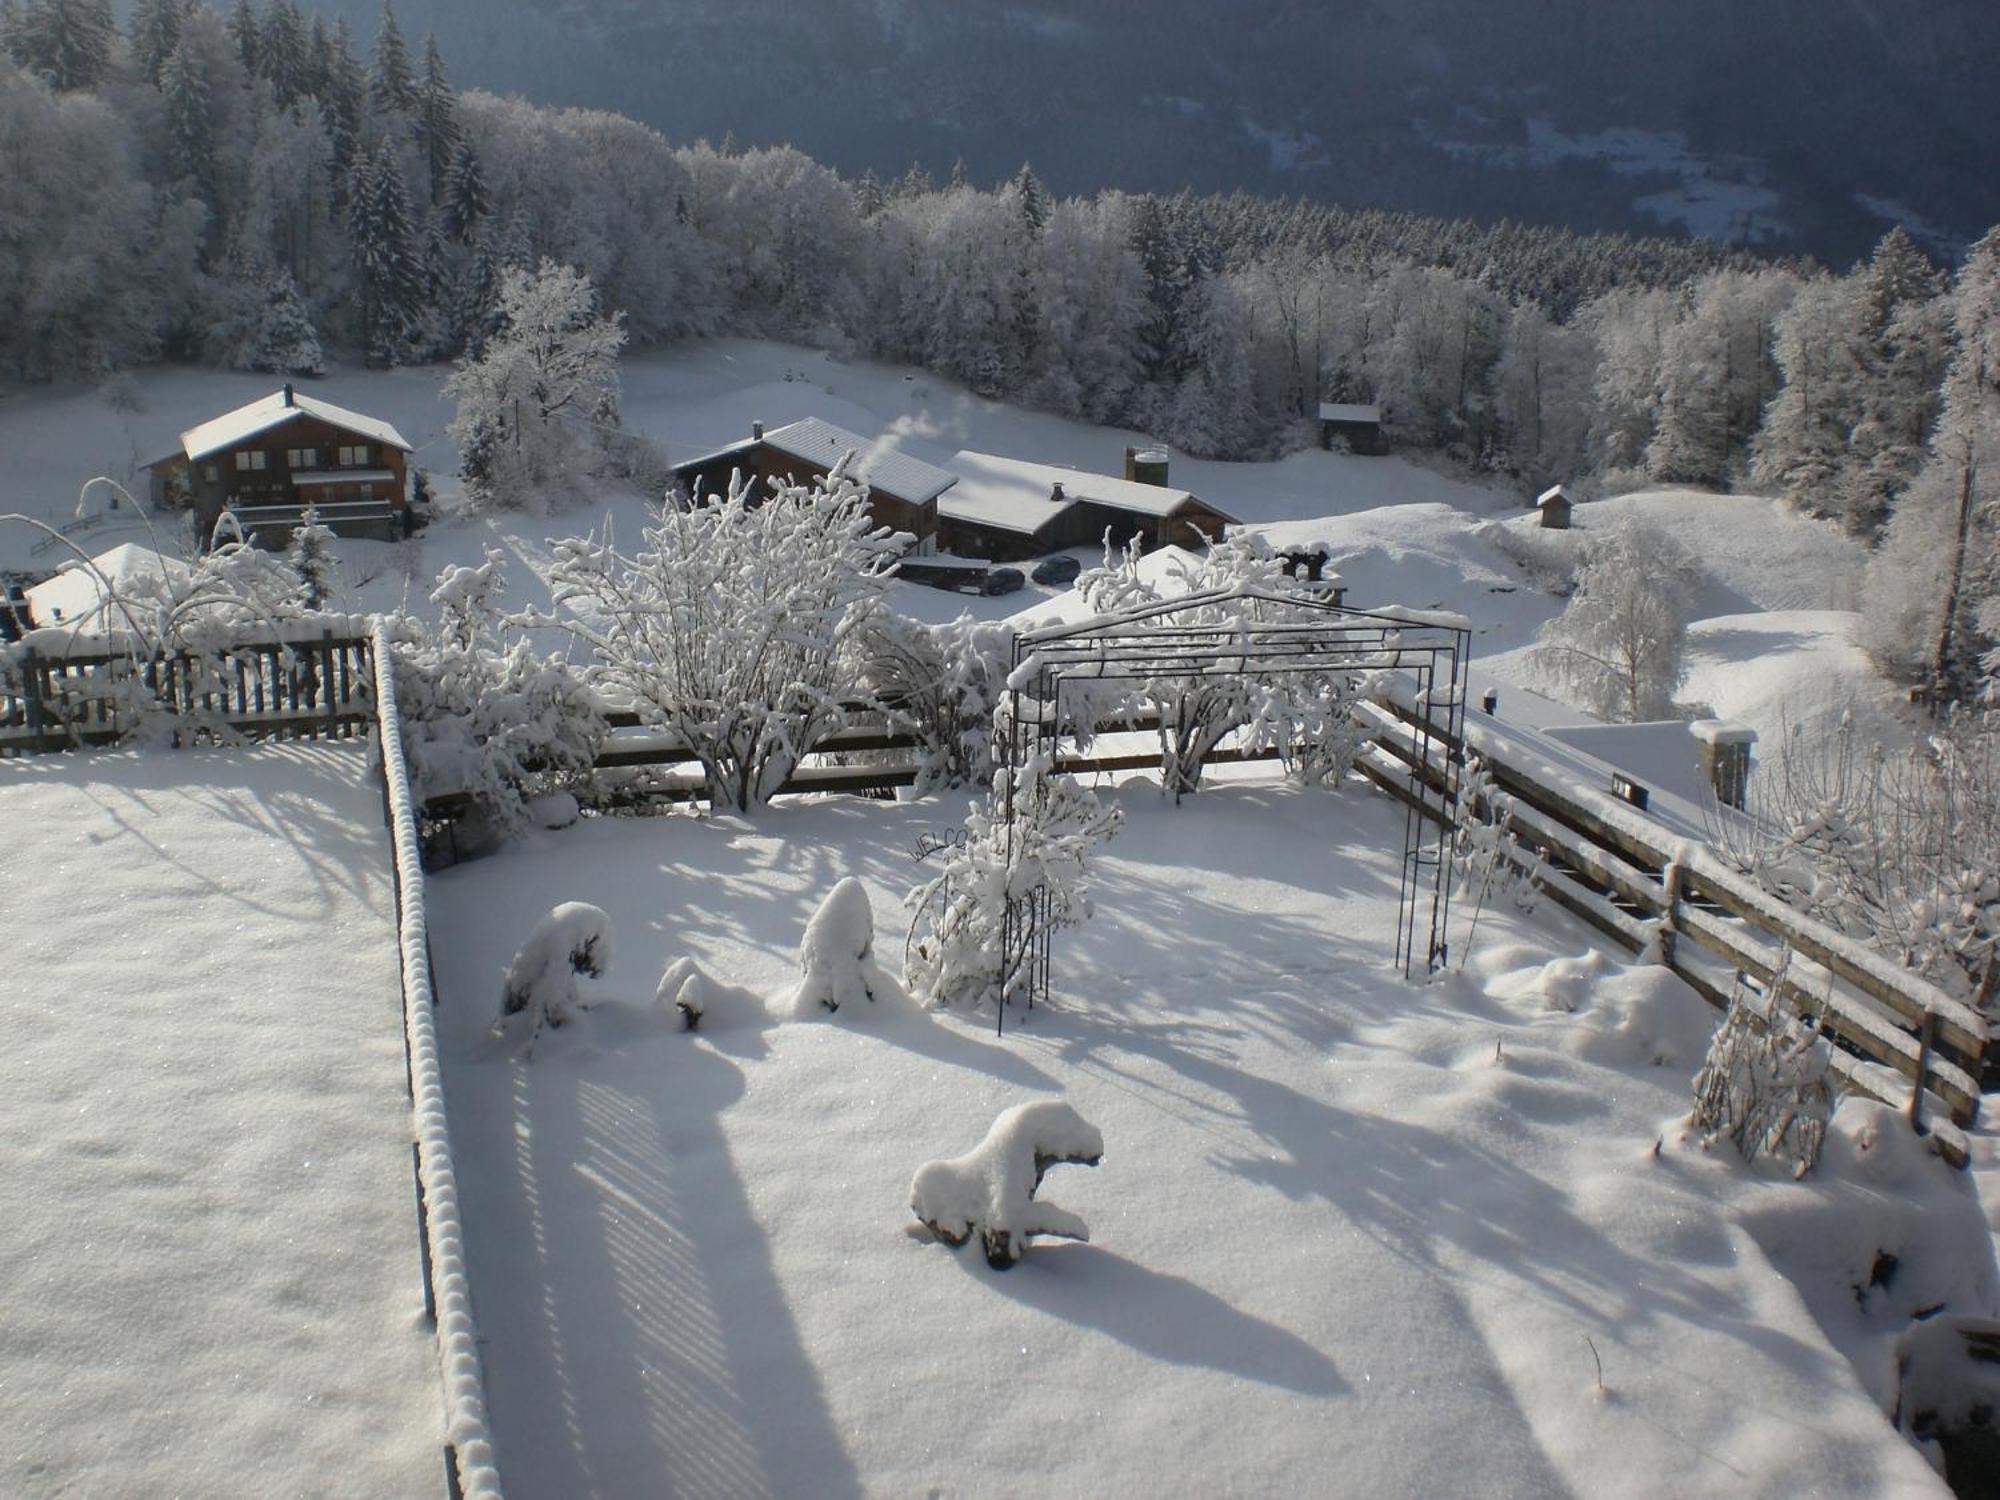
[288, 393]
[757, 431]
[1056, 492]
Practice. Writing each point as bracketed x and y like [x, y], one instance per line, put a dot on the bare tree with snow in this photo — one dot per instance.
[1619, 648]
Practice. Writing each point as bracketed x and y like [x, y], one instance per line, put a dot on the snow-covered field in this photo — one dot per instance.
[1349, 1235]
[208, 1241]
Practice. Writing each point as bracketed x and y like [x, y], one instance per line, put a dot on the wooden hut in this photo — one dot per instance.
[1353, 426]
[1554, 504]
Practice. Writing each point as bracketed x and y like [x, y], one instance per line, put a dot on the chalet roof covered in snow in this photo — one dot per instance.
[275, 410]
[878, 463]
[1005, 492]
[1346, 411]
[1552, 494]
[75, 596]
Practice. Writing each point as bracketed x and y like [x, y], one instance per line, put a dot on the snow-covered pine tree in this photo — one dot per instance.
[154, 27]
[1801, 449]
[1619, 649]
[190, 121]
[343, 108]
[531, 404]
[438, 134]
[1931, 587]
[310, 554]
[382, 232]
[464, 203]
[66, 43]
[280, 338]
[281, 52]
[392, 84]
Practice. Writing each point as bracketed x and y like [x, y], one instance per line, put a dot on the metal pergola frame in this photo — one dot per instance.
[1279, 633]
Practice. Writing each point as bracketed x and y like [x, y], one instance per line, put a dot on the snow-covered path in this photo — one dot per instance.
[208, 1239]
[1349, 1236]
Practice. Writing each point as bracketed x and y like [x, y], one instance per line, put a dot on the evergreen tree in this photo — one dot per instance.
[190, 120]
[284, 341]
[382, 232]
[961, 180]
[869, 197]
[311, 556]
[1801, 449]
[1031, 198]
[438, 133]
[391, 83]
[247, 34]
[342, 108]
[464, 204]
[282, 55]
[319, 58]
[155, 27]
[67, 43]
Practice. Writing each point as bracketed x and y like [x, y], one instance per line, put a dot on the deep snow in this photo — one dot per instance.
[1350, 1235]
[207, 1219]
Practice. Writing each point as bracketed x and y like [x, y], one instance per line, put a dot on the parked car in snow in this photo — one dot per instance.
[1004, 580]
[1057, 571]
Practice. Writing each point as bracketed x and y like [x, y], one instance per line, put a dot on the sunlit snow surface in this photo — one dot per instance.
[208, 1247]
[1349, 1235]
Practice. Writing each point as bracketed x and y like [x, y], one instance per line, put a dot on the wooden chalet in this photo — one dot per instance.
[1355, 427]
[902, 489]
[1008, 509]
[265, 463]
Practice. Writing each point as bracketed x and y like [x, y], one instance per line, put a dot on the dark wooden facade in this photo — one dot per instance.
[1083, 523]
[761, 463]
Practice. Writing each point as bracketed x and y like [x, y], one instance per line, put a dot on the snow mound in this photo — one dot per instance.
[703, 1002]
[991, 1189]
[838, 958]
[574, 938]
[1562, 984]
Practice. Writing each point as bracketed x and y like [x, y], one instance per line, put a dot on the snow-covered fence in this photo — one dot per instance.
[311, 678]
[470, 1458]
[1898, 1038]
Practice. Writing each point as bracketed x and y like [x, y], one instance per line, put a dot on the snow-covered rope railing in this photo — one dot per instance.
[1611, 862]
[467, 1426]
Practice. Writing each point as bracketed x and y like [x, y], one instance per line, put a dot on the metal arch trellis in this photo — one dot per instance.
[1302, 635]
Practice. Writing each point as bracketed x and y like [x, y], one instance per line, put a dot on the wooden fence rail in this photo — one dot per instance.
[309, 682]
[1898, 1038]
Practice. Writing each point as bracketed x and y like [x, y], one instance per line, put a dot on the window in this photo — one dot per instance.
[249, 460]
[211, 472]
[355, 457]
[302, 458]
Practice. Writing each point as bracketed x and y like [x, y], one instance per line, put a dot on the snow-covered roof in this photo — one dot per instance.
[75, 597]
[1659, 755]
[1348, 411]
[878, 463]
[1552, 493]
[275, 410]
[1005, 492]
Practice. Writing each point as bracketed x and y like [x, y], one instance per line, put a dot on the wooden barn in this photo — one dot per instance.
[1008, 509]
[1554, 504]
[902, 489]
[265, 463]
[1356, 428]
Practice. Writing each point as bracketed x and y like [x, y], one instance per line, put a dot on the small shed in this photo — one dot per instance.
[1554, 504]
[76, 596]
[1354, 427]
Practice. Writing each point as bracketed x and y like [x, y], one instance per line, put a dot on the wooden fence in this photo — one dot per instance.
[1896, 1037]
[303, 679]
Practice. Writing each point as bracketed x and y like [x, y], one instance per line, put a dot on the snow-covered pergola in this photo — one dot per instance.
[1259, 634]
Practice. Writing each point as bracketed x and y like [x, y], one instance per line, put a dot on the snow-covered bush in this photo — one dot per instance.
[945, 682]
[574, 938]
[735, 628]
[990, 1191]
[532, 407]
[498, 722]
[1487, 855]
[1038, 863]
[310, 555]
[837, 956]
[696, 996]
[1199, 702]
[1899, 847]
[1620, 647]
[1763, 1086]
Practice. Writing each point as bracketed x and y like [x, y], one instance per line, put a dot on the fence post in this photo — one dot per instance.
[31, 688]
[1924, 1039]
[1670, 919]
[329, 693]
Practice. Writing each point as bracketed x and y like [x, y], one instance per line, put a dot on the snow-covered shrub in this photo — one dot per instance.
[1764, 1084]
[1199, 702]
[574, 938]
[990, 1191]
[1487, 855]
[499, 722]
[1037, 862]
[837, 956]
[735, 628]
[532, 407]
[311, 557]
[1898, 847]
[1620, 647]
[696, 996]
[945, 681]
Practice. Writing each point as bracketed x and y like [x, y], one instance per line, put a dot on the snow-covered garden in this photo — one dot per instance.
[1348, 1232]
